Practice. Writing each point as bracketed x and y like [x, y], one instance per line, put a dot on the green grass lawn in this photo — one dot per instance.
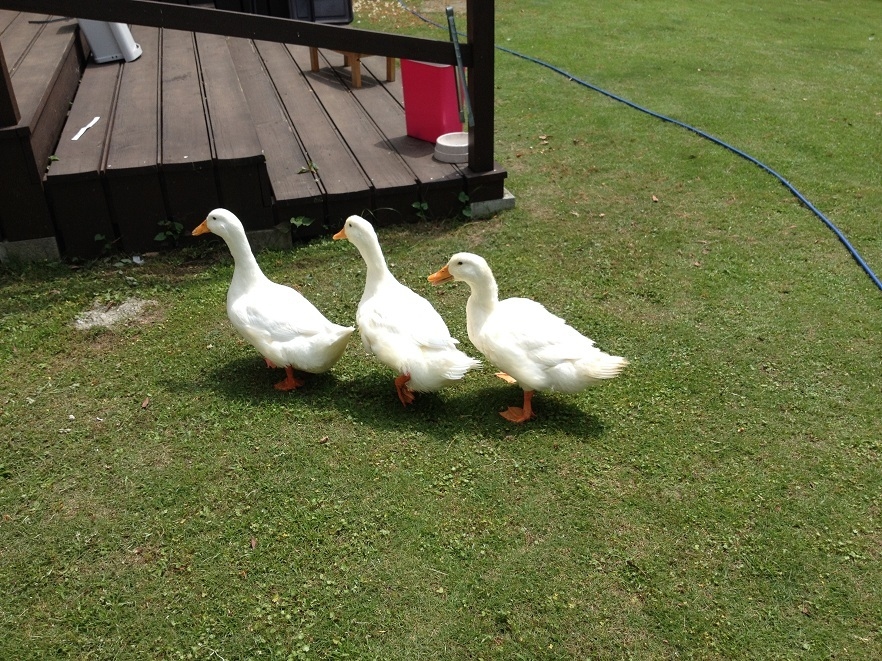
[719, 500]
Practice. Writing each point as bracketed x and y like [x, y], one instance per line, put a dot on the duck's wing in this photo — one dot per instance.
[403, 314]
[524, 327]
[278, 314]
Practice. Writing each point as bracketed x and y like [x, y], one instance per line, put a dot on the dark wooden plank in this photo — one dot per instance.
[135, 143]
[184, 131]
[230, 5]
[52, 110]
[394, 187]
[6, 17]
[440, 184]
[33, 75]
[24, 212]
[234, 135]
[346, 187]
[19, 35]
[294, 188]
[376, 66]
[73, 182]
[131, 171]
[187, 166]
[9, 112]
[241, 170]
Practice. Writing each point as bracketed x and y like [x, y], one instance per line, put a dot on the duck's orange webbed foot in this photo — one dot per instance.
[516, 414]
[405, 394]
[521, 415]
[290, 382]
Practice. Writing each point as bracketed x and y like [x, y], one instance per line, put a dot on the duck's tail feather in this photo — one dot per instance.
[461, 367]
[608, 367]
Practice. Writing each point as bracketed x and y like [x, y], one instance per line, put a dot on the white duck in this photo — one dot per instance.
[399, 326]
[278, 321]
[535, 348]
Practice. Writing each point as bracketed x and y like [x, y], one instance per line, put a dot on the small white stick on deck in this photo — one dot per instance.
[85, 128]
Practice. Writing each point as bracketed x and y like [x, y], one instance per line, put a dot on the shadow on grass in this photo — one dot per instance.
[372, 400]
[369, 398]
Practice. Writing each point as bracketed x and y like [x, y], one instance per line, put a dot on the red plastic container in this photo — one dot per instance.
[430, 103]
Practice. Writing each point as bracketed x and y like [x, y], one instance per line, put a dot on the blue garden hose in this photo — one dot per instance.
[842, 238]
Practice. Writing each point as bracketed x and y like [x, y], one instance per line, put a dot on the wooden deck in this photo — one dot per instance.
[200, 121]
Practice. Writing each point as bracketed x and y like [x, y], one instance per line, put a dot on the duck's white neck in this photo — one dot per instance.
[377, 269]
[482, 302]
[246, 268]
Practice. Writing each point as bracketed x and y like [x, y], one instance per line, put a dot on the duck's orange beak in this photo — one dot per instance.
[202, 228]
[340, 235]
[440, 276]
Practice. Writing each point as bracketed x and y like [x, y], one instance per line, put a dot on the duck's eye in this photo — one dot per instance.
[459, 263]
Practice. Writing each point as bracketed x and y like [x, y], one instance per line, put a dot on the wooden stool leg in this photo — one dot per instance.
[355, 62]
[313, 58]
[390, 69]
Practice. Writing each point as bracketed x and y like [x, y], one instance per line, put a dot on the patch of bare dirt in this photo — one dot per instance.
[109, 314]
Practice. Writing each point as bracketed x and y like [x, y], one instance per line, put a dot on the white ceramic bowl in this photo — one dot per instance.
[452, 148]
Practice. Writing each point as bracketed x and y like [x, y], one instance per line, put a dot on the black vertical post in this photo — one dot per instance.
[482, 39]
[9, 114]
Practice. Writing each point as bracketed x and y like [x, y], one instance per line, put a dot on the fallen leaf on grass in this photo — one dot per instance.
[145, 403]
[254, 542]
[654, 198]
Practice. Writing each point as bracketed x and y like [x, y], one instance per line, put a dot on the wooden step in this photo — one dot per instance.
[295, 189]
[164, 160]
[45, 60]
[73, 182]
